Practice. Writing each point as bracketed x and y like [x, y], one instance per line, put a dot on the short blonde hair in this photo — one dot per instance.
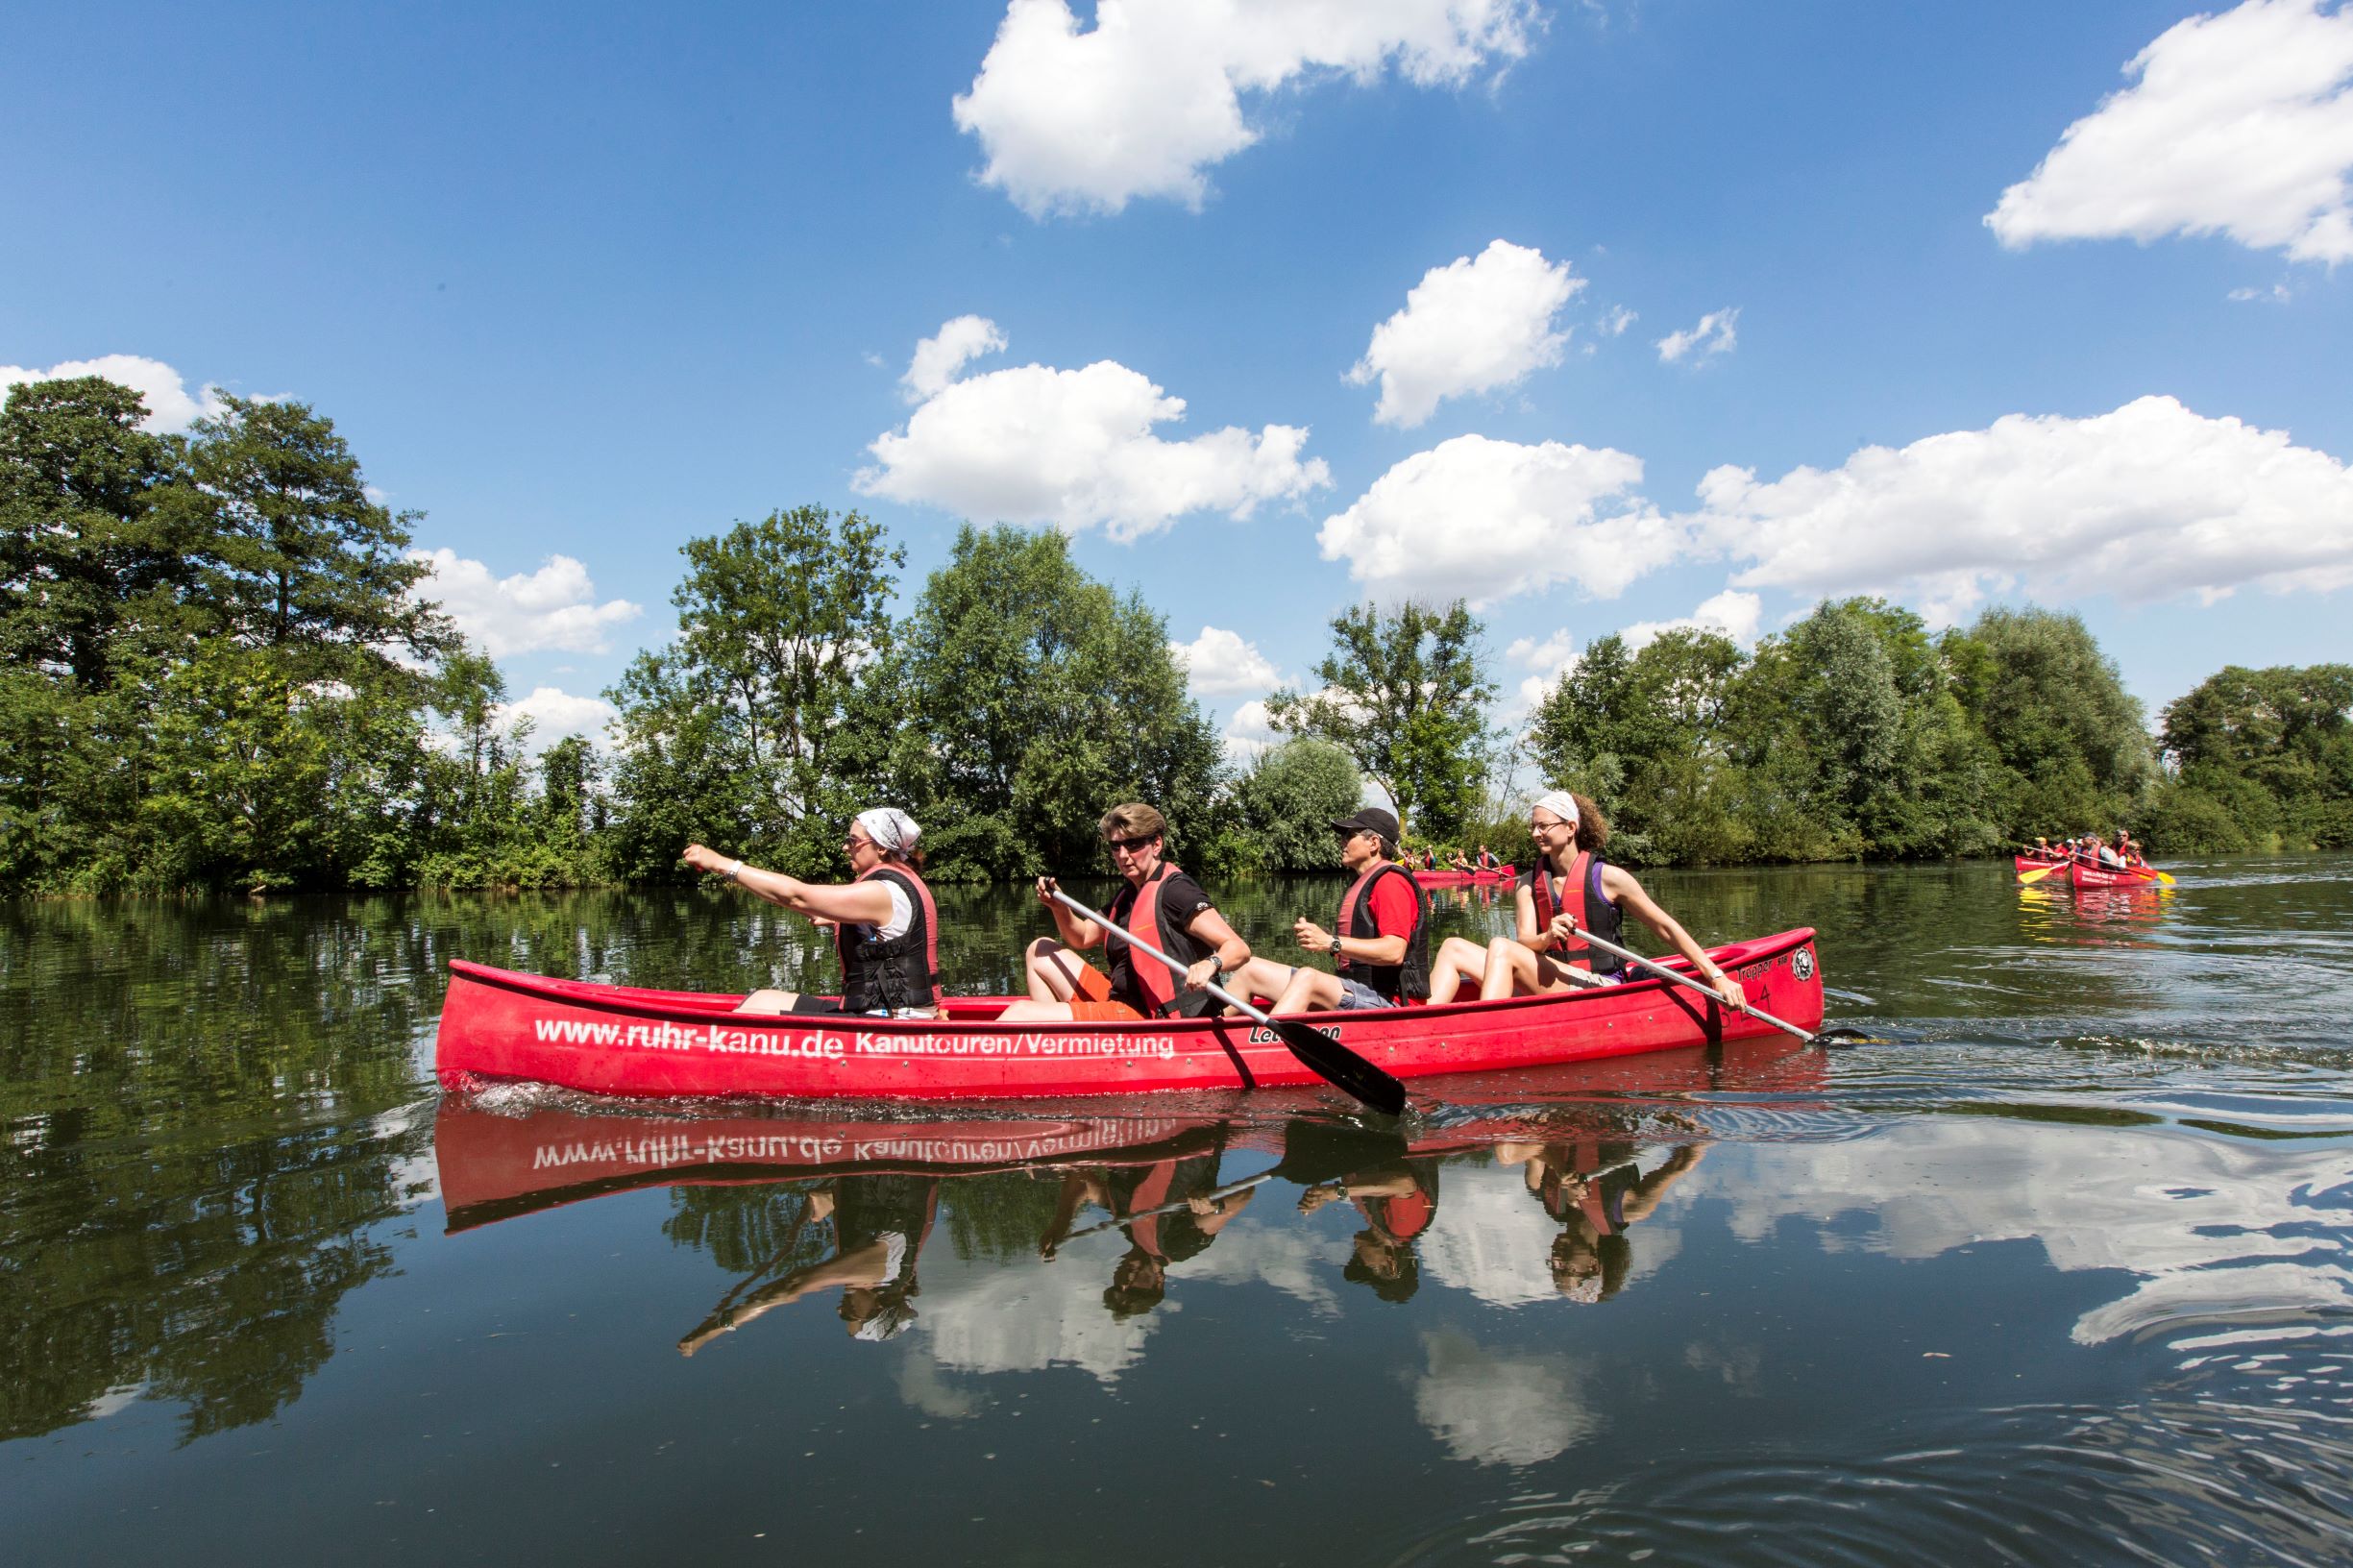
[1133, 820]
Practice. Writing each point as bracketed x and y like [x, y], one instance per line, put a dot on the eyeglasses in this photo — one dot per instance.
[854, 843]
[1547, 827]
[1130, 845]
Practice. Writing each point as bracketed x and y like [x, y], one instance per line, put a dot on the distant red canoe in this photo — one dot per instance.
[1466, 879]
[2080, 875]
[619, 1039]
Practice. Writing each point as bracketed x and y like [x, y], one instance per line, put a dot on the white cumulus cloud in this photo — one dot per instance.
[1076, 449]
[2148, 502]
[1713, 334]
[1499, 1408]
[171, 407]
[553, 607]
[1222, 663]
[1479, 519]
[1551, 658]
[1615, 322]
[555, 714]
[939, 360]
[2240, 124]
[1471, 325]
[1731, 612]
[1144, 102]
[1250, 732]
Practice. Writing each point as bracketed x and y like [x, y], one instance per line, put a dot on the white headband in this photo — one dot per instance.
[892, 830]
[1561, 804]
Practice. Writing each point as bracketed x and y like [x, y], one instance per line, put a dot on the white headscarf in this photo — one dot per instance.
[892, 830]
[1561, 804]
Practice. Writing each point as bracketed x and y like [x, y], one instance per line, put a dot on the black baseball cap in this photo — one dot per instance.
[1371, 819]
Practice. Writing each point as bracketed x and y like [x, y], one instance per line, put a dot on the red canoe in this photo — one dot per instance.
[617, 1040]
[1464, 879]
[2080, 875]
[2034, 863]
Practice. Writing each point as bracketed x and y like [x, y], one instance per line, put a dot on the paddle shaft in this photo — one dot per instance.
[1710, 991]
[1377, 1088]
[1213, 1195]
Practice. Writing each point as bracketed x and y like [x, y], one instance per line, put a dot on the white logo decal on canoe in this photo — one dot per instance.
[1803, 965]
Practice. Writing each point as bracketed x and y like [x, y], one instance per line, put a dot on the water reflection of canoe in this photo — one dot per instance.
[499, 1164]
[1464, 880]
[495, 1165]
[619, 1039]
[2080, 875]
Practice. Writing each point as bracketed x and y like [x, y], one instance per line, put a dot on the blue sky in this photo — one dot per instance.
[1654, 309]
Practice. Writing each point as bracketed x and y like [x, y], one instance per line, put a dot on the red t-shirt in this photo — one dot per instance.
[1392, 901]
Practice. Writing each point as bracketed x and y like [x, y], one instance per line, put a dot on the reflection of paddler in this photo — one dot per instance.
[1195, 1214]
[879, 1227]
[1595, 1190]
[1399, 1199]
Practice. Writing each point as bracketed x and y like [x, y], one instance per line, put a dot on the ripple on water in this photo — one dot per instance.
[2184, 1475]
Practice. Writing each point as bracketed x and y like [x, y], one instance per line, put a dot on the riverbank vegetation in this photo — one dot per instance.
[217, 669]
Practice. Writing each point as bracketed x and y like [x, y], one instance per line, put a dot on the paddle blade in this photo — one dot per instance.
[2166, 877]
[2025, 877]
[1329, 1060]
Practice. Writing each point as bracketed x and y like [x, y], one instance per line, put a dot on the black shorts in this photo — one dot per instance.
[814, 1004]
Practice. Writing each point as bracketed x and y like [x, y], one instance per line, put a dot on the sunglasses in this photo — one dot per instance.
[1131, 845]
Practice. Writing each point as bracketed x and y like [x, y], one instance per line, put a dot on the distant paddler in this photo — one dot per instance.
[886, 926]
[1569, 890]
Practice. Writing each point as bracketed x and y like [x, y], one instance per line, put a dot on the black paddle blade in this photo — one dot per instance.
[1341, 1066]
[1316, 1152]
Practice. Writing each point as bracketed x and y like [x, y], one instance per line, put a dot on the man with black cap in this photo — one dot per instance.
[1381, 947]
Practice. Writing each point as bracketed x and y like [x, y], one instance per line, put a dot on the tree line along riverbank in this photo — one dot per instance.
[218, 670]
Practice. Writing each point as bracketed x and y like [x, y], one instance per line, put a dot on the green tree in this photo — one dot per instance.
[1033, 698]
[1405, 693]
[1286, 802]
[2261, 757]
[742, 731]
[2070, 749]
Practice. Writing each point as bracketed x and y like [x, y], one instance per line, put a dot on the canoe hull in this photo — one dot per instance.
[1466, 879]
[2080, 875]
[499, 1026]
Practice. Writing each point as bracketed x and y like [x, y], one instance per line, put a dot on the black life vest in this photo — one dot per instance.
[1580, 893]
[1154, 988]
[1407, 980]
[903, 972]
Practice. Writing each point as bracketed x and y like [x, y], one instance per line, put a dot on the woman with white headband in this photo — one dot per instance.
[1569, 892]
[886, 927]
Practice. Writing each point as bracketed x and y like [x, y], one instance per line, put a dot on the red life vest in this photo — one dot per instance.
[876, 973]
[1156, 980]
[1606, 922]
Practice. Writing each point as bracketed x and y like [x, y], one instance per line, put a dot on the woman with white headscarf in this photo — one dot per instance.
[1571, 890]
[886, 927]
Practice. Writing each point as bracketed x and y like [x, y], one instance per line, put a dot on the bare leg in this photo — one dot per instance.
[1028, 1012]
[1260, 977]
[769, 1002]
[1511, 970]
[1458, 959]
[1053, 971]
[1311, 991]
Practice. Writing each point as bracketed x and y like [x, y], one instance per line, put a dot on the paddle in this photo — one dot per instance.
[1320, 1054]
[2040, 872]
[1680, 979]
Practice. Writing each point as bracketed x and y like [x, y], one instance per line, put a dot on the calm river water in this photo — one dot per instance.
[2056, 1272]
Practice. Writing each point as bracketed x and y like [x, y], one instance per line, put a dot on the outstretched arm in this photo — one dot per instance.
[854, 903]
[1627, 893]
